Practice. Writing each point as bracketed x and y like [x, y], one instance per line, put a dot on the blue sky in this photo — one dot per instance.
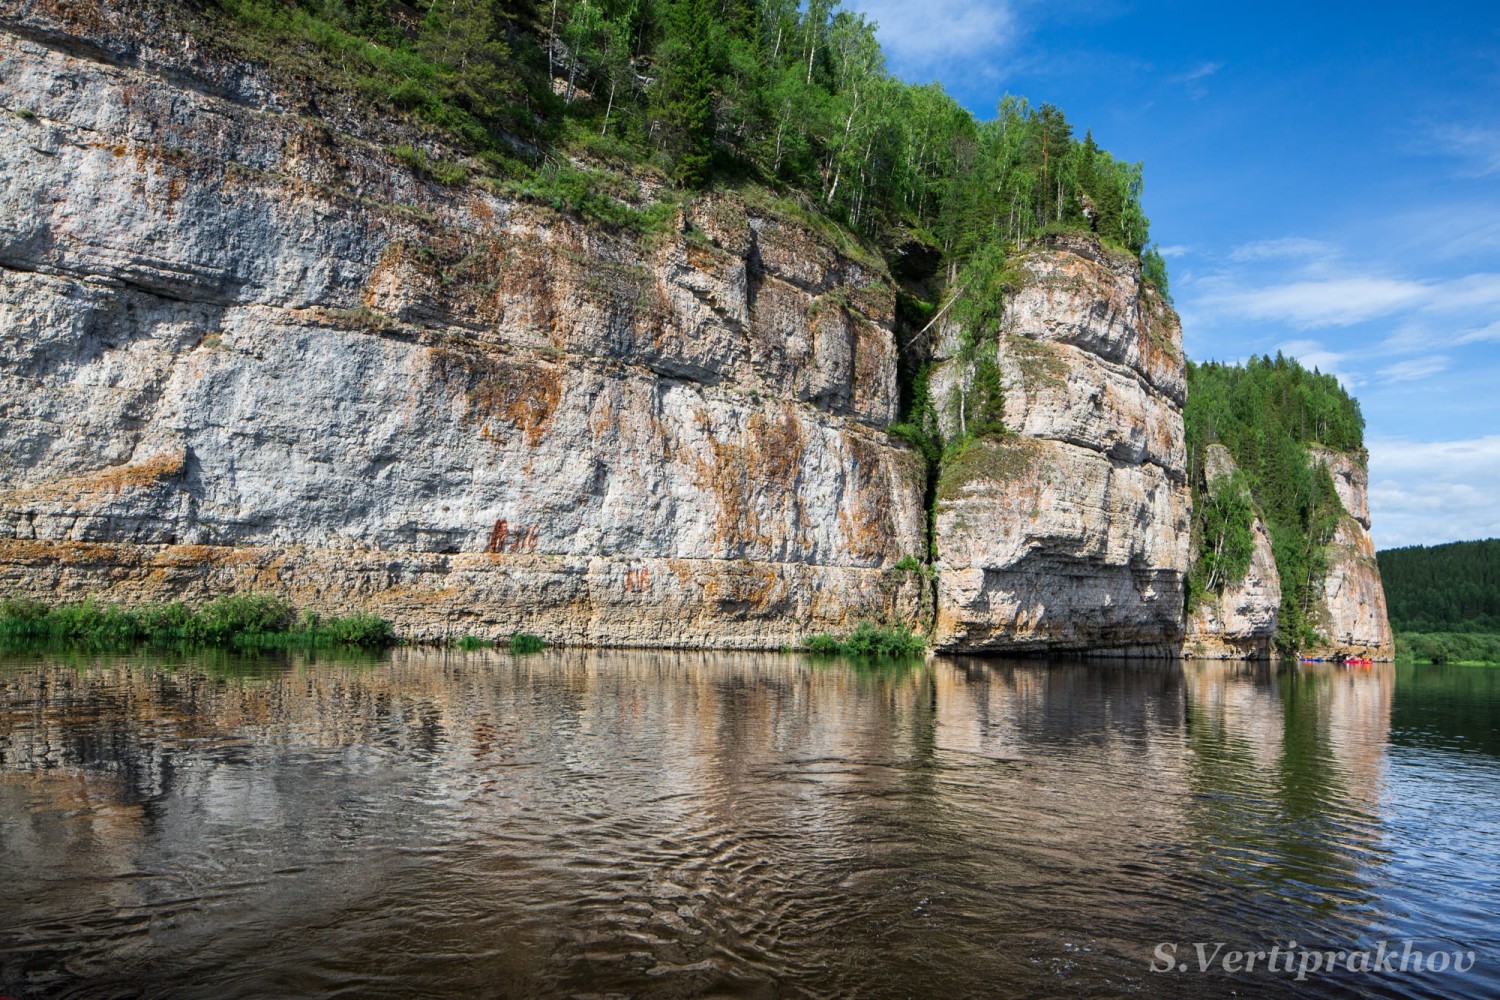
[1324, 179]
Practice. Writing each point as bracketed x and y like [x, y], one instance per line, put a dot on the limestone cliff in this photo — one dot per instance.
[241, 347]
[1352, 618]
[1240, 621]
[1072, 531]
[247, 343]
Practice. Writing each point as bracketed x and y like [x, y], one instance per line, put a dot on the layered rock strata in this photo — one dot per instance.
[1070, 532]
[244, 349]
[1352, 615]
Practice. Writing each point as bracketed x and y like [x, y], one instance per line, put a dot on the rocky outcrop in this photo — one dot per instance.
[1352, 616]
[247, 342]
[241, 347]
[1072, 531]
[1238, 622]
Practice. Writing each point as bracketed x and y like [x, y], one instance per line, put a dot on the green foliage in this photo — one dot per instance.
[1225, 528]
[472, 642]
[869, 640]
[1154, 271]
[221, 620]
[1443, 588]
[1448, 647]
[525, 642]
[794, 97]
[1266, 413]
[989, 399]
[236, 620]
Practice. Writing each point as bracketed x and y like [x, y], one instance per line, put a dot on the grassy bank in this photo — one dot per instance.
[1476, 648]
[869, 640]
[254, 621]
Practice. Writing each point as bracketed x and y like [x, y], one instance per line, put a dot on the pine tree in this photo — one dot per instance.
[684, 90]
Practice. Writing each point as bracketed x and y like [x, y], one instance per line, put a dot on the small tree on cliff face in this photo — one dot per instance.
[1227, 542]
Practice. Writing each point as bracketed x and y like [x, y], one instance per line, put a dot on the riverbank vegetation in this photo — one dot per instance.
[869, 640]
[241, 620]
[1267, 413]
[1444, 601]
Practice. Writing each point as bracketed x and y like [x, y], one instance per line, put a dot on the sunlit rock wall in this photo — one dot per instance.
[242, 348]
[1071, 532]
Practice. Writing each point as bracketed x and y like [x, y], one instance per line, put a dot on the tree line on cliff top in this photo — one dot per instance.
[793, 96]
[1267, 412]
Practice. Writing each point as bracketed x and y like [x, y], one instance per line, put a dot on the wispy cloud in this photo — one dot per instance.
[1332, 302]
[1201, 71]
[1477, 147]
[1414, 369]
[919, 38]
[1283, 248]
[1175, 250]
[1193, 79]
[1426, 492]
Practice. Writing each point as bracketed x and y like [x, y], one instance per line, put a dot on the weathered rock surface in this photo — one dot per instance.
[1072, 532]
[1239, 622]
[242, 349]
[1352, 617]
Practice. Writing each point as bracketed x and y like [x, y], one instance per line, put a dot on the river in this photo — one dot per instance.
[609, 824]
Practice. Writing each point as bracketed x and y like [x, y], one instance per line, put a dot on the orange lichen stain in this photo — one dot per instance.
[865, 520]
[764, 459]
[637, 580]
[102, 486]
[745, 585]
[525, 393]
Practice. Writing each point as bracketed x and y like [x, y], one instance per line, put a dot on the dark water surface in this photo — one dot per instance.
[630, 824]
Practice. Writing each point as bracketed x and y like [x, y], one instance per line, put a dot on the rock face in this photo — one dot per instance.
[1240, 622]
[243, 348]
[244, 345]
[1072, 532]
[1353, 614]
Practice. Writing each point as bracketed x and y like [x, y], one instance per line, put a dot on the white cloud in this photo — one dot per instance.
[1415, 368]
[1472, 291]
[1478, 147]
[1193, 80]
[1286, 247]
[1331, 302]
[919, 37]
[1175, 250]
[1200, 72]
[1481, 335]
[1427, 492]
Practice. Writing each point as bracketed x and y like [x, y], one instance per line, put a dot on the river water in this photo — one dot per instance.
[609, 824]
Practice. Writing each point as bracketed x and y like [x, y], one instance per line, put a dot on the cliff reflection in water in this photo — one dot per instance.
[631, 823]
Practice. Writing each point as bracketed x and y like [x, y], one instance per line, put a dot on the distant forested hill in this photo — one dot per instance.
[1443, 588]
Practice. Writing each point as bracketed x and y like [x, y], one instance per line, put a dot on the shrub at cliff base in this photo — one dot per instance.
[255, 620]
[525, 642]
[868, 640]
